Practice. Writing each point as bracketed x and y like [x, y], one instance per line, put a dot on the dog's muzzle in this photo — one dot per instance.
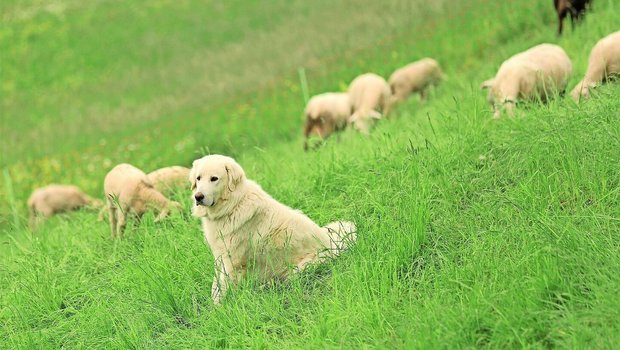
[200, 200]
[199, 197]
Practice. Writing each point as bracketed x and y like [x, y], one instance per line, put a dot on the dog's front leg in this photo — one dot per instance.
[220, 284]
[223, 274]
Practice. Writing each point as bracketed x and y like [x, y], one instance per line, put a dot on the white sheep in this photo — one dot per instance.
[130, 192]
[416, 77]
[370, 97]
[325, 114]
[54, 199]
[167, 179]
[604, 63]
[537, 73]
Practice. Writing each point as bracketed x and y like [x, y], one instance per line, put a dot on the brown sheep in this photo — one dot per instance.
[576, 9]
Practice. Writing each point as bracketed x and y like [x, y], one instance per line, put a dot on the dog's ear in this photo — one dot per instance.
[235, 174]
[192, 175]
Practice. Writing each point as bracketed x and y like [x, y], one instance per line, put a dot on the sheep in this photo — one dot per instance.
[167, 179]
[415, 77]
[129, 191]
[603, 64]
[533, 74]
[576, 9]
[325, 114]
[369, 94]
[54, 199]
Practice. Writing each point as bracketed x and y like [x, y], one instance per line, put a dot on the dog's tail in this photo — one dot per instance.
[342, 235]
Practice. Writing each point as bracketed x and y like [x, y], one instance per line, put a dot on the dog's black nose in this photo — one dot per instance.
[199, 197]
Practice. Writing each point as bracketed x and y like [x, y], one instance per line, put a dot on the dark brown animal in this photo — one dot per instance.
[575, 8]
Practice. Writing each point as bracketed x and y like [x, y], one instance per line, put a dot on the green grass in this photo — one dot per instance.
[472, 232]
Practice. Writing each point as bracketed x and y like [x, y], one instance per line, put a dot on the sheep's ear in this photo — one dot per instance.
[375, 115]
[235, 174]
[192, 175]
[353, 118]
[487, 84]
[162, 215]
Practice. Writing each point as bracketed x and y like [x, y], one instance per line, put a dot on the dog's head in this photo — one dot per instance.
[213, 179]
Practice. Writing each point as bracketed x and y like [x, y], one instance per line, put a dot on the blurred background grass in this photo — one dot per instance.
[86, 85]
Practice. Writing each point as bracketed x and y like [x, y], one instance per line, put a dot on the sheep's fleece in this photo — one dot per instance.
[53, 199]
[169, 178]
[325, 114]
[130, 192]
[604, 63]
[534, 73]
[247, 230]
[368, 93]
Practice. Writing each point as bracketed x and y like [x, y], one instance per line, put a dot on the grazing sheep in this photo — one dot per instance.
[53, 199]
[370, 96]
[533, 74]
[603, 64]
[167, 179]
[576, 9]
[248, 231]
[129, 191]
[325, 114]
[415, 77]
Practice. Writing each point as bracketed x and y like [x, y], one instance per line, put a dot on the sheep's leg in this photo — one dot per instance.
[32, 219]
[561, 16]
[35, 221]
[393, 102]
[121, 222]
[423, 95]
[509, 105]
[101, 215]
[386, 106]
[497, 111]
[112, 218]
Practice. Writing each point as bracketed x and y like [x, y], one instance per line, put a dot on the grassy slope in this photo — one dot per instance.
[518, 248]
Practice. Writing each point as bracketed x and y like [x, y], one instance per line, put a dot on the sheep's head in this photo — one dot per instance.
[318, 126]
[96, 203]
[172, 206]
[497, 98]
[213, 179]
[488, 85]
[582, 89]
[364, 121]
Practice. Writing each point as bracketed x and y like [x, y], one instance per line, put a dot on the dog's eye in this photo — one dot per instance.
[198, 178]
[214, 178]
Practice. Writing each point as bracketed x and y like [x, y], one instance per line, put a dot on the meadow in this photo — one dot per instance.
[473, 232]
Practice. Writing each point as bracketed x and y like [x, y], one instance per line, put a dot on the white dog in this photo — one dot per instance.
[248, 230]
